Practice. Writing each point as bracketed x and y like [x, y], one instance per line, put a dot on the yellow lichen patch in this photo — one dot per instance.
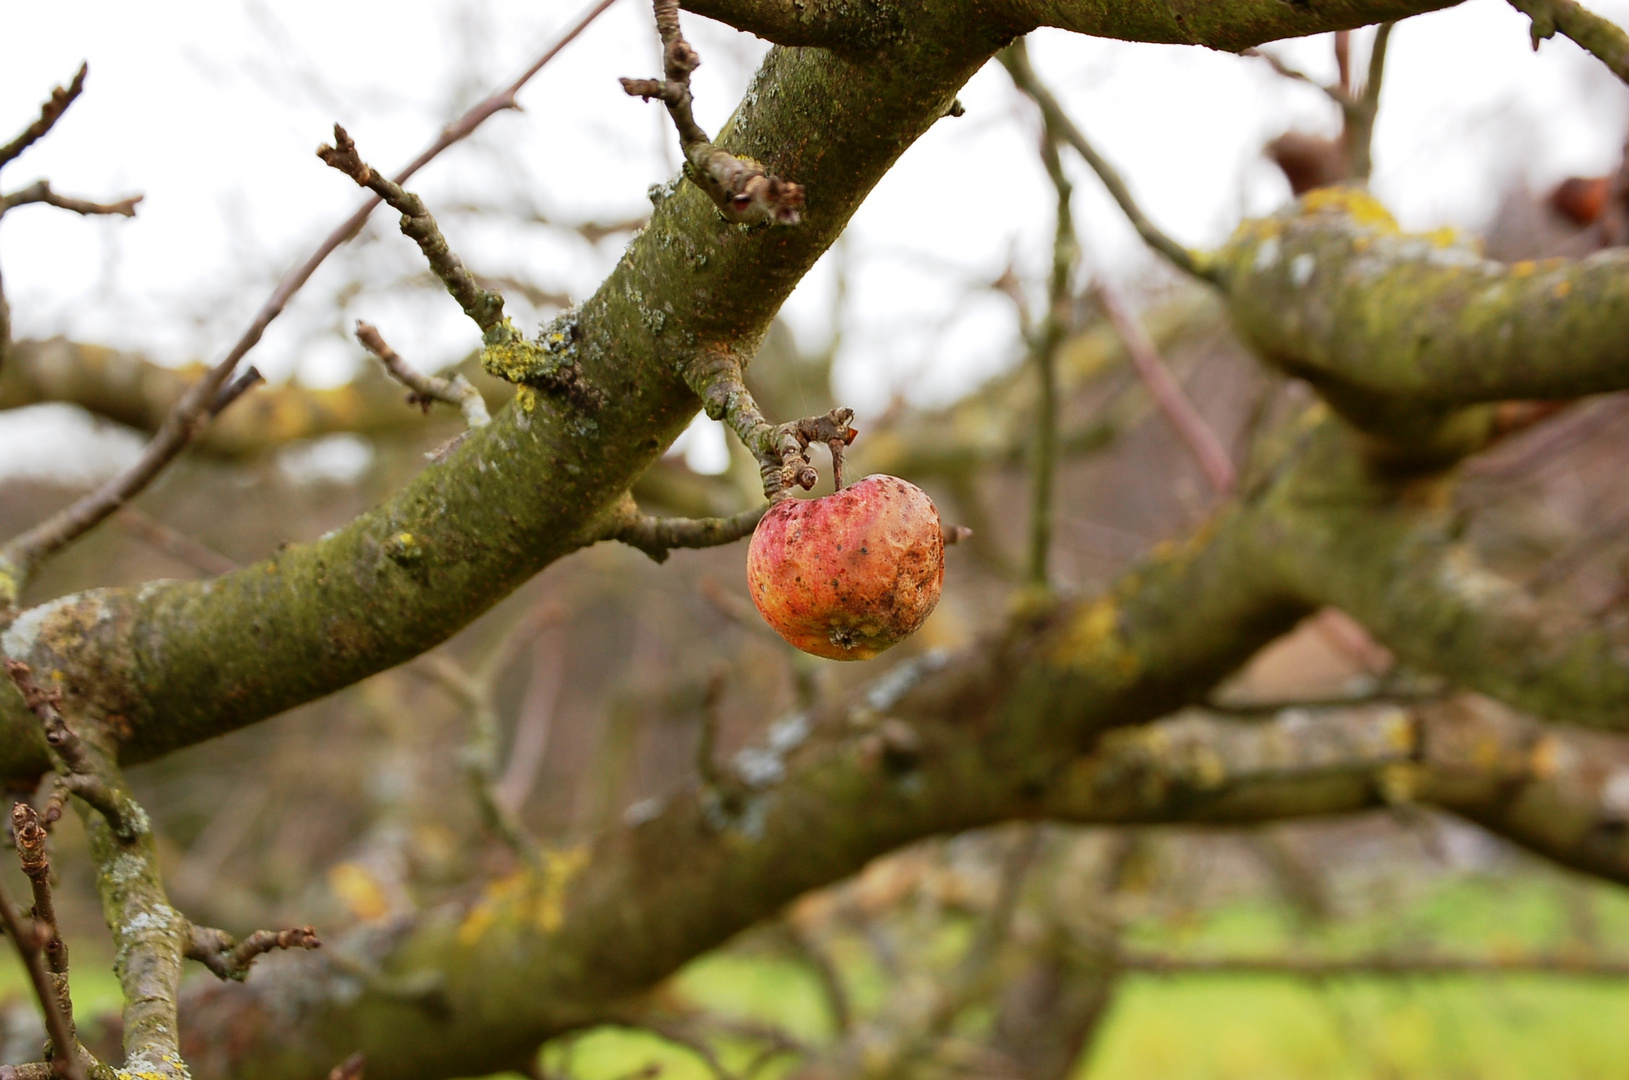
[1445, 237]
[1562, 288]
[1091, 642]
[1399, 731]
[535, 897]
[1209, 770]
[1547, 757]
[1355, 203]
[361, 893]
[1523, 269]
[517, 361]
[1398, 783]
[560, 868]
[498, 895]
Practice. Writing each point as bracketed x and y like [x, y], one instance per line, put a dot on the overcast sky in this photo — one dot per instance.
[212, 109]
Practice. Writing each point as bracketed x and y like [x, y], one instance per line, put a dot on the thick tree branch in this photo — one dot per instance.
[1389, 553]
[942, 744]
[1400, 331]
[1233, 25]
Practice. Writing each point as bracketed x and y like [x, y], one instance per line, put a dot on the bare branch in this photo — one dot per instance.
[454, 133]
[1043, 350]
[27, 940]
[29, 833]
[743, 192]
[425, 388]
[23, 554]
[40, 192]
[1334, 93]
[484, 308]
[1167, 392]
[1016, 60]
[657, 536]
[1359, 112]
[175, 544]
[230, 959]
[50, 113]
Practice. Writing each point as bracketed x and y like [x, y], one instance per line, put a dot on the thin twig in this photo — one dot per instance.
[657, 536]
[535, 723]
[425, 388]
[484, 308]
[1334, 93]
[40, 192]
[1167, 393]
[50, 113]
[1016, 60]
[707, 735]
[201, 402]
[64, 1059]
[743, 192]
[1359, 112]
[230, 959]
[173, 543]
[455, 132]
[29, 833]
[1044, 347]
[479, 756]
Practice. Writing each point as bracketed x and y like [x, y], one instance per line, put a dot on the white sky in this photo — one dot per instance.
[213, 108]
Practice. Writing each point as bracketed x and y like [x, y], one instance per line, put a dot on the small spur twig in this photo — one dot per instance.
[50, 113]
[425, 388]
[230, 959]
[743, 192]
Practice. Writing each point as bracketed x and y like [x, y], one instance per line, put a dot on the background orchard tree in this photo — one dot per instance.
[1382, 471]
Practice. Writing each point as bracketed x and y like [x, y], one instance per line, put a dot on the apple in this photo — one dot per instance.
[852, 573]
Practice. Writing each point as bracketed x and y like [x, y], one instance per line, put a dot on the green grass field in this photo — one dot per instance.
[1530, 1027]
[1232, 1027]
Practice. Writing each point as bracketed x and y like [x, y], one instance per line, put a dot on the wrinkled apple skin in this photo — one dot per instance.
[850, 574]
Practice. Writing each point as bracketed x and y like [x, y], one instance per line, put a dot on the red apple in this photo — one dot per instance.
[851, 574]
